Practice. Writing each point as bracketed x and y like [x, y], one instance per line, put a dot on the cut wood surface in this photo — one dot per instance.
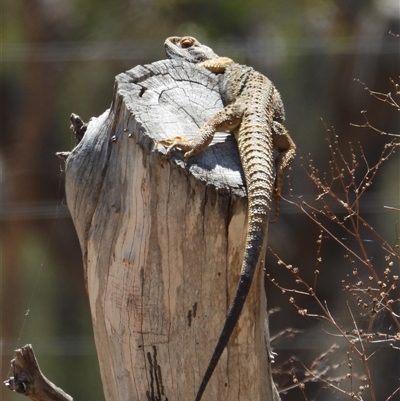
[163, 242]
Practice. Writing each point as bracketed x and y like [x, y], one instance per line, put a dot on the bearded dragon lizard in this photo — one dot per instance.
[254, 112]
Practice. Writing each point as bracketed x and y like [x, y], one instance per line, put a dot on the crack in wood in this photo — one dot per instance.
[156, 392]
[192, 314]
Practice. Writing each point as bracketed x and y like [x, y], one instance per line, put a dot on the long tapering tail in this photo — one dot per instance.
[257, 162]
[251, 258]
[230, 322]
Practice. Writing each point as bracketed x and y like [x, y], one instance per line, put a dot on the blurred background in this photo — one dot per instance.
[61, 56]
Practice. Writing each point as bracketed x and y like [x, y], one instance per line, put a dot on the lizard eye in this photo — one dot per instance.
[186, 42]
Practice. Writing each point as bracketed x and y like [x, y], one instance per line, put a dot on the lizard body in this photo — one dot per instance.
[254, 112]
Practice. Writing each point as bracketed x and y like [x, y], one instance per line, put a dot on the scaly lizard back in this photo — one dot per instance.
[254, 112]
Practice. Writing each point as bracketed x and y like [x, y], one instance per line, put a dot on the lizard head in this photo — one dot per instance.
[188, 49]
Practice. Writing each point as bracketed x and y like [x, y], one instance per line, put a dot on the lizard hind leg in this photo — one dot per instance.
[284, 144]
[277, 194]
[282, 162]
[228, 118]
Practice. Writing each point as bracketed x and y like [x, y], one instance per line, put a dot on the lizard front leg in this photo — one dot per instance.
[227, 119]
[217, 65]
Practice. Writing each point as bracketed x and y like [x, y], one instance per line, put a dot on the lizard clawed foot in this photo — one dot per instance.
[176, 142]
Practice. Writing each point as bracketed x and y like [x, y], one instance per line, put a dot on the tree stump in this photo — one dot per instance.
[163, 241]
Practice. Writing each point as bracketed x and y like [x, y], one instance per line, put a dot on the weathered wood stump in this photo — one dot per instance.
[163, 242]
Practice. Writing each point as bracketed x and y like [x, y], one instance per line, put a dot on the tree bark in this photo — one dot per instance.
[163, 243]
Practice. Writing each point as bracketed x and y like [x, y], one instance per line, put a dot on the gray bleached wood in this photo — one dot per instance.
[162, 246]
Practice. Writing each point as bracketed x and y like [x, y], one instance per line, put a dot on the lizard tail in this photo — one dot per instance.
[259, 189]
[252, 255]
[230, 322]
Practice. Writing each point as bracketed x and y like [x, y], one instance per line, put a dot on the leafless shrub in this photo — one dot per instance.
[369, 283]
